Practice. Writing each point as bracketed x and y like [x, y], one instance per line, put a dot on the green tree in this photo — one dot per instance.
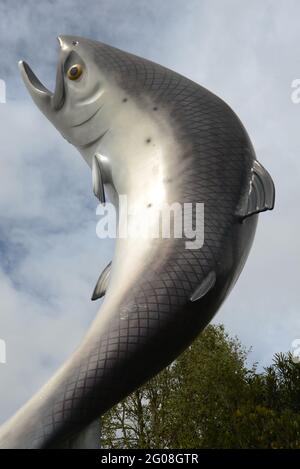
[210, 398]
[269, 413]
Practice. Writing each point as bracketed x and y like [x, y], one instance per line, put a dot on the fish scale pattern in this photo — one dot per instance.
[217, 171]
[157, 311]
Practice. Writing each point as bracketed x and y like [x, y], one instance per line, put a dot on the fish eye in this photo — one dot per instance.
[75, 72]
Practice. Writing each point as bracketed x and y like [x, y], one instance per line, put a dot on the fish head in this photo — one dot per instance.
[86, 96]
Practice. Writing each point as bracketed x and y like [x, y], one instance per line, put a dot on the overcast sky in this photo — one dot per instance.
[50, 257]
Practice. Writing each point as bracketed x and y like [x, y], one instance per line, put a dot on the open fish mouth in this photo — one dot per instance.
[45, 99]
[32, 78]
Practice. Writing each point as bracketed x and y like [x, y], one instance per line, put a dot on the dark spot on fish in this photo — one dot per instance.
[155, 108]
[149, 205]
[125, 100]
[148, 140]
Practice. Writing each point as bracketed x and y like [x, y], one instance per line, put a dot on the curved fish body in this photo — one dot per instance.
[158, 138]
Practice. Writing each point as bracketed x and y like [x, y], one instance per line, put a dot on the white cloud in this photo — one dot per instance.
[48, 251]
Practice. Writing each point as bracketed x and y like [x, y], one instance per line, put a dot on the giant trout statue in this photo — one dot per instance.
[158, 138]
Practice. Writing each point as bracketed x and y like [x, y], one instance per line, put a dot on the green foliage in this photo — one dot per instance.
[209, 398]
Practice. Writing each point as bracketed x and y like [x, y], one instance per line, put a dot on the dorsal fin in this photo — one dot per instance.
[102, 283]
[261, 195]
[204, 287]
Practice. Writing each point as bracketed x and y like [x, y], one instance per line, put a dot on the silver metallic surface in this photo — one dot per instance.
[160, 138]
[98, 185]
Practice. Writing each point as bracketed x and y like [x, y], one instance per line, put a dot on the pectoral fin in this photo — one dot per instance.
[102, 283]
[261, 195]
[205, 286]
[98, 186]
